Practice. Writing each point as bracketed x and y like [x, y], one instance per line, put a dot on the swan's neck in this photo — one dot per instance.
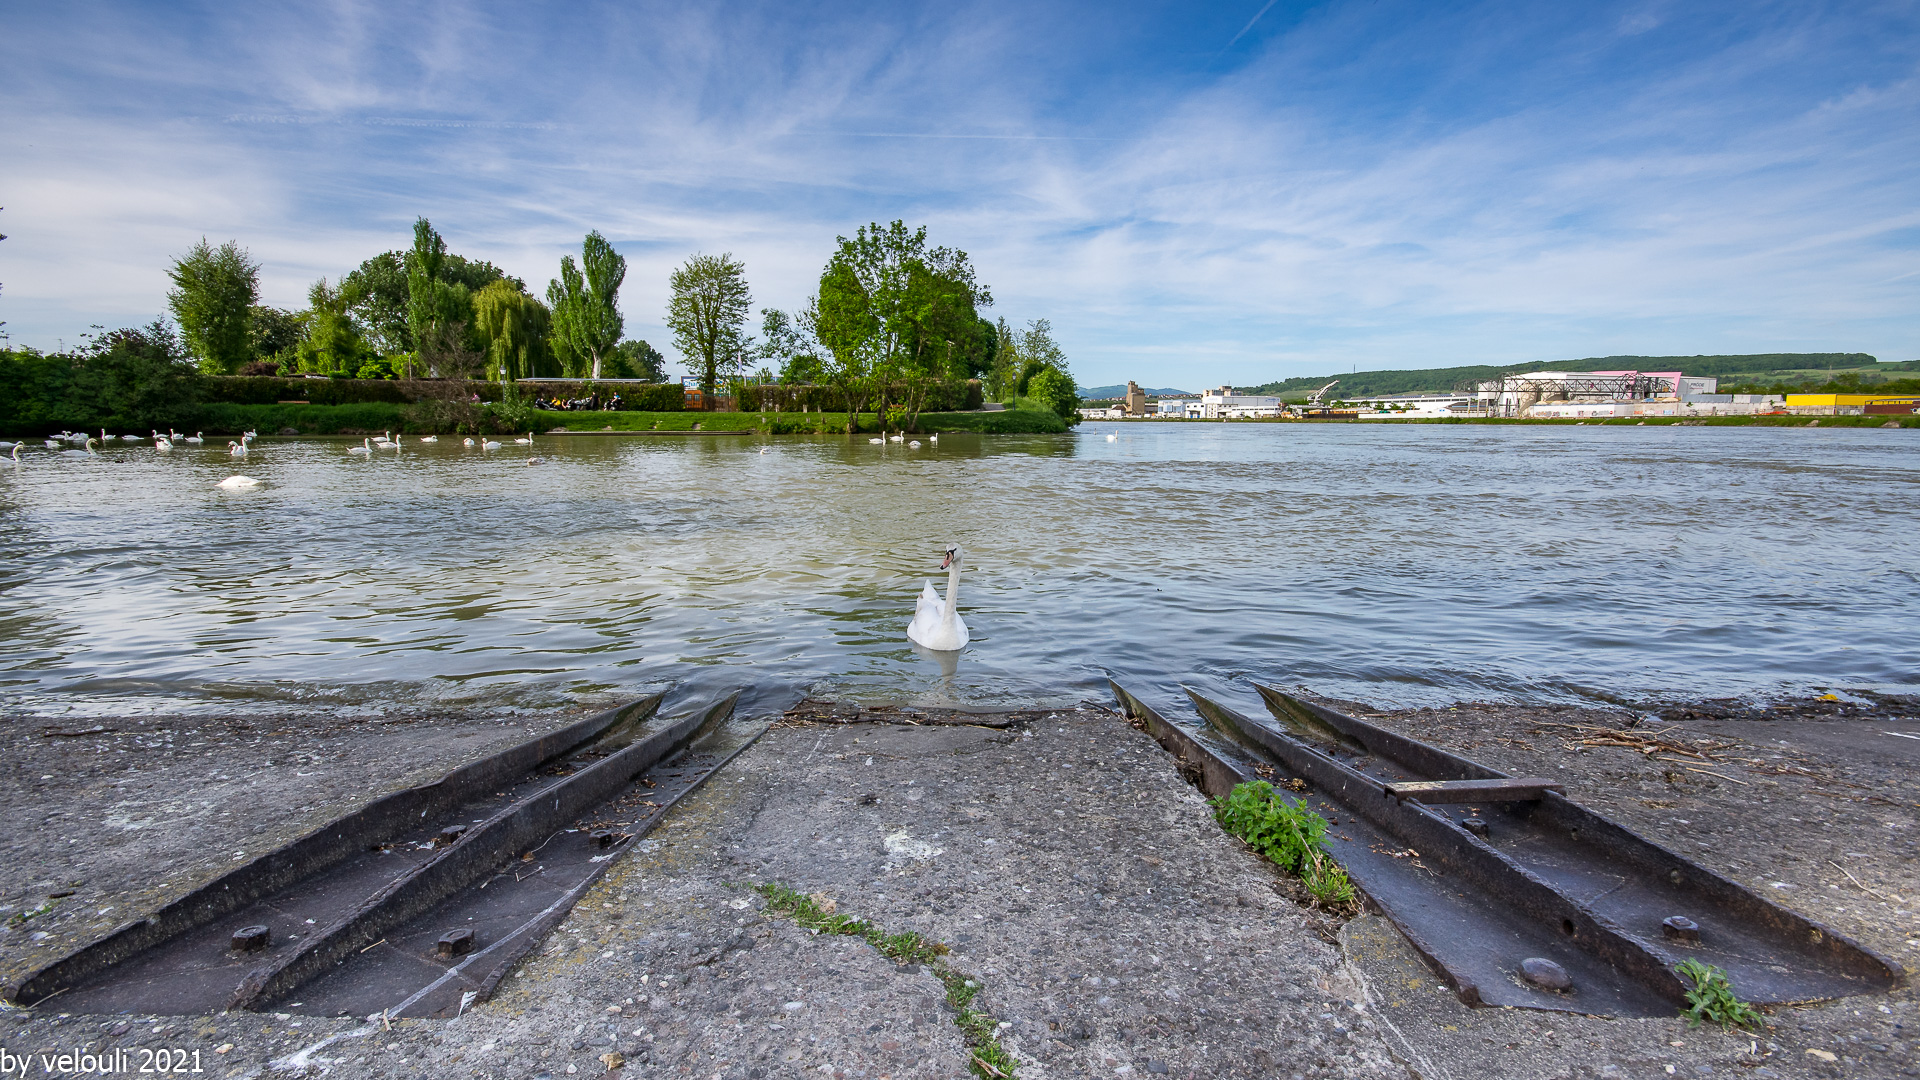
[953, 592]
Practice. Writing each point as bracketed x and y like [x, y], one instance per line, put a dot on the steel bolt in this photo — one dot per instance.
[456, 942]
[251, 939]
[1545, 974]
[1474, 825]
[449, 835]
[602, 838]
[1681, 929]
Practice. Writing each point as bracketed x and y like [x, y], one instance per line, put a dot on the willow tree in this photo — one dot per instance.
[214, 290]
[708, 314]
[586, 305]
[515, 327]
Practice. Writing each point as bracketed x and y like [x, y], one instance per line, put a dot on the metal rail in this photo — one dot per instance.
[376, 874]
[1549, 880]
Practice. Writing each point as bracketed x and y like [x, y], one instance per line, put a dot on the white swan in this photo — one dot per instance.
[915, 444]
[466, 442]
[936, 624]
[877, 442]
[238, 483]
[365, 447]
[1111, 438]
[86, 449]
[162, 443]
[489, 445]
[934, 438]
[429, 438]
[896, 437]
[196, 438]
[528, 441]
[16, 453]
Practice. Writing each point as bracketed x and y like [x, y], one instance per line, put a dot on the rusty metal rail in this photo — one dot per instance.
[323, 904]
[1481, 885]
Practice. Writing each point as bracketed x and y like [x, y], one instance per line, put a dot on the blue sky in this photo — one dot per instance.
[1192, 194]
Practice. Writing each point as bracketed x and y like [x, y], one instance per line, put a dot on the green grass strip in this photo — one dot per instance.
[987, 1059]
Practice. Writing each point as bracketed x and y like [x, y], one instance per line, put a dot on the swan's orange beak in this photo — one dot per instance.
[946, 562]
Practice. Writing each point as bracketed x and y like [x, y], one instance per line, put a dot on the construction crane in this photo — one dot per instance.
[1314, 398]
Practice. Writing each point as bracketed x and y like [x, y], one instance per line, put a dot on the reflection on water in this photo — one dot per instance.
[1404, 565]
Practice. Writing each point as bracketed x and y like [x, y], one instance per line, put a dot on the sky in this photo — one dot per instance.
[1191, 194]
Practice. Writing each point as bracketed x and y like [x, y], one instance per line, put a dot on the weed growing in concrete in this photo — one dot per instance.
[1711, 1000]
[1289, 834]
[987, 1058]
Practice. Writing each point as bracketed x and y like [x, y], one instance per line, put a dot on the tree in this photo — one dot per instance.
[378, 296]
[708, 313]
[1054, 388]
[439, 310]
[637, 359]
[214, 290]
[787, 342]
[274, 331]
[334, 342]
[906, 310]
[586, 305]
[514, 327]
[1005, 372]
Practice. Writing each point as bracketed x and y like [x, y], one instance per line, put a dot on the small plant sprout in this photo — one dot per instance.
[1711, 1000]
[1290, 835]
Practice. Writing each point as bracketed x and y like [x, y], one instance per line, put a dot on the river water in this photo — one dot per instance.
[1399, 565]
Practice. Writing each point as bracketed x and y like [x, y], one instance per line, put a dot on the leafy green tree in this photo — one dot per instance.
[275, 331]
[708, 315]
[1054, 388]
[586, 306]
[214, 290]
[1003, 377]
[378, 295]
[439, 310]
[515, 327]
[637, 359]
[786, 341]
[334, 342]
[906, 310]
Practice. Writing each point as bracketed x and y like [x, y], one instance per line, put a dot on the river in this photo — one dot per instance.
[1396, 564]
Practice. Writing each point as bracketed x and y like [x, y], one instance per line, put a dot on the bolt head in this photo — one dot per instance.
[1546, 974]
[251, 939]
[455, 942]
[1681, 929]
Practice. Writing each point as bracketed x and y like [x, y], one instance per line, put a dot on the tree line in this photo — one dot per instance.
[892, 316]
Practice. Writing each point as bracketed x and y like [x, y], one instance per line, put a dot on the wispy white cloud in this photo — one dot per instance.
[1374, 184]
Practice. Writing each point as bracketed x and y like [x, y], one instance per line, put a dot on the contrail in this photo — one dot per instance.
[1249, 26]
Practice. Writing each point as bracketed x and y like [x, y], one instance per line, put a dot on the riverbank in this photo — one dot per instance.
[1110, 927]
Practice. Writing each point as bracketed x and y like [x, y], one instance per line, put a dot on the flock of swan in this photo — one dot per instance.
[936, 624]
[901, 437]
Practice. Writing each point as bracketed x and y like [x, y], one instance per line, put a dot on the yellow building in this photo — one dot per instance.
[1829, 404]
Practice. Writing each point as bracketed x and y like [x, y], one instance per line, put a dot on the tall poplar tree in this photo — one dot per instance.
[214, 290]
[586, 305]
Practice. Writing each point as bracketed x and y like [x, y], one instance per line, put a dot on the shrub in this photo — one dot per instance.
[356, 392]
[1290, 835]
[634, 397]
[1711, 999]
[1055, 389]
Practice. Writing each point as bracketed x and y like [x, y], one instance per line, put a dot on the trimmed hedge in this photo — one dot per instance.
[273, 389]
[949, 396]
[634, 397]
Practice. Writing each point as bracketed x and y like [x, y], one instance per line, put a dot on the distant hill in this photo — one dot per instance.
[1119, 390]
[1443, 380]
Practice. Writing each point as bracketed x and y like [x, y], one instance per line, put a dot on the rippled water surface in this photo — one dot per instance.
[1394, 564]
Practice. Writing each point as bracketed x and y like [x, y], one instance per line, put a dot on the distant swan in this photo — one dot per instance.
[159, 444]
[915, 444]
[489, 445]
[936, 624]
[236, 449]
[86, 449]
[934, 438]
[466, 442]
[877, 442]
[365, 447]
[236, 483]
[1111, 438]
[196, 438]
[429, 438]
[528, 441]
[896, 437]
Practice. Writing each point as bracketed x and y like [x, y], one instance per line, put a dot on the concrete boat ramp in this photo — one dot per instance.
[1095, 922]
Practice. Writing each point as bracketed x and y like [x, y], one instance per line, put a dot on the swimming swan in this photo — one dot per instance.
[429, 438]
[238, 483]
[937, 625]
[365, 447]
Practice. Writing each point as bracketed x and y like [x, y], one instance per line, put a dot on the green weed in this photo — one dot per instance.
[1711, 1000]
[1290, 835]
[987, 1058]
